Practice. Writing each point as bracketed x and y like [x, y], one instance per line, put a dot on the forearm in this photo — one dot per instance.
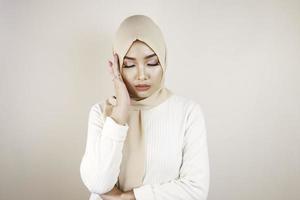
[173, 190]
[117, 194]
[100, 165]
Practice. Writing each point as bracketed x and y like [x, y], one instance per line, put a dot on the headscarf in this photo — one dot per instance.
[142, 28]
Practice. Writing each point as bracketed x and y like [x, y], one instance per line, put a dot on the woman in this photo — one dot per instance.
[145, 142]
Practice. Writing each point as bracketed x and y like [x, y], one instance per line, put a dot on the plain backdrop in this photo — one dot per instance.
[240, 60]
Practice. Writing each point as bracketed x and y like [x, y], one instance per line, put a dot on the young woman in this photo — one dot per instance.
[145, 142]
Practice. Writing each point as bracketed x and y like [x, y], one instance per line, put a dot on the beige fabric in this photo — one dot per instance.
[137, 27]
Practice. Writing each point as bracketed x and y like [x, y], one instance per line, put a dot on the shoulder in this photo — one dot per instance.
[188, 104]
[190, 109]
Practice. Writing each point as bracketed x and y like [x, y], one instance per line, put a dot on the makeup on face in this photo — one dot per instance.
[150, 60]
[141, 70]
[142, 87]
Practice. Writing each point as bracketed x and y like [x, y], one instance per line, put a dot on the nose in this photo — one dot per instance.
[141, 73]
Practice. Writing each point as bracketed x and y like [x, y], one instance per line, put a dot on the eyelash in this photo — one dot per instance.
[129, 66]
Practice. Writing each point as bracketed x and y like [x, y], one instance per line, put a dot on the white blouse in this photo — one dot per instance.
[177, 162]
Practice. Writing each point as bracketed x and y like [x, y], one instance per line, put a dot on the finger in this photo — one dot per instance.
[112, 101]
[111, 70]
[117, 63]
[110, 67]
[117, 67]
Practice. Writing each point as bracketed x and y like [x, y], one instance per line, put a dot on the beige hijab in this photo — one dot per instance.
[137, 27]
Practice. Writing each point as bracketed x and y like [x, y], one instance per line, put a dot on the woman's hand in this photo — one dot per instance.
[120, 111]
[129, 195]
[116, 194]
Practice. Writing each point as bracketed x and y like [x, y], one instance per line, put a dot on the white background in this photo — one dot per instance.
[238, 59]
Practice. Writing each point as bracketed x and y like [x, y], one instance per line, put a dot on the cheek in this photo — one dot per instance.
[157, 73]
[128, 76]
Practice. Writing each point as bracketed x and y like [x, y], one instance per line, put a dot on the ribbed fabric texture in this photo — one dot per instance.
[177, 162]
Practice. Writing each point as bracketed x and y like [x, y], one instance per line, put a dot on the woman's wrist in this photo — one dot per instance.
[120, 114]
[119, 117]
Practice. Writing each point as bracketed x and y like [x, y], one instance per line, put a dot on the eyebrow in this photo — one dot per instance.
[149, 56]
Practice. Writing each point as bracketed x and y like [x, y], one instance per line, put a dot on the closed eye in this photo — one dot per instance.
[153, 64]
[129, 66]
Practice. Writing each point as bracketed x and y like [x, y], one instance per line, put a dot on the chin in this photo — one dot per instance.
[143, 94]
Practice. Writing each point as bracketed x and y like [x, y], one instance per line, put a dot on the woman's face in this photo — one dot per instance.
[141, 66]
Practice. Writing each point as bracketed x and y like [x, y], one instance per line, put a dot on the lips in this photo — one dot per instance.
[142, 87]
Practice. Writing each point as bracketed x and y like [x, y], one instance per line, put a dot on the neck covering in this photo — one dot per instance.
[142, 28]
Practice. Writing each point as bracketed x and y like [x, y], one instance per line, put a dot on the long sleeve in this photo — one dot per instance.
[99, 168]
[193, 180]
